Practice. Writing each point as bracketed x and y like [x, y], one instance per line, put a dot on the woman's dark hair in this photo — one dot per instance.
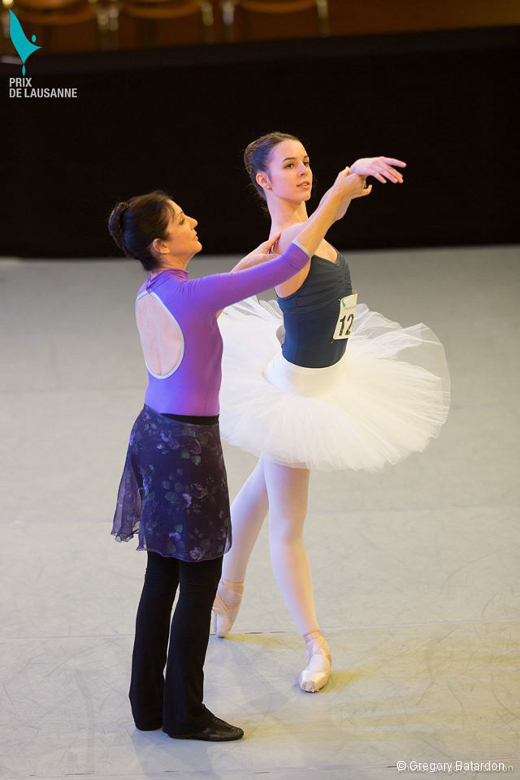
[135, 223]
[258, 153]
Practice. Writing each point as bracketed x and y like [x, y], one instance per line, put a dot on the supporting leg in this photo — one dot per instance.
[288, 490]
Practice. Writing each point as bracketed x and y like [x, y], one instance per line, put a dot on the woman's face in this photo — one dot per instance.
[288, 174]
[182, 239]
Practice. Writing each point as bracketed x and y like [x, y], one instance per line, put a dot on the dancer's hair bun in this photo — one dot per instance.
[258, 152]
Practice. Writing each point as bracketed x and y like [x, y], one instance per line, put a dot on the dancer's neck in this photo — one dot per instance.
[285, 213]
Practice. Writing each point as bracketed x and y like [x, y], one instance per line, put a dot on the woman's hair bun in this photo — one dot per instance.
[135, 223]
[115, 225]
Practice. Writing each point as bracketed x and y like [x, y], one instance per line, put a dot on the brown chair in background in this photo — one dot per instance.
[60, 25]
[374, 17]
[6, 47]
[249, 20]
[156, 23]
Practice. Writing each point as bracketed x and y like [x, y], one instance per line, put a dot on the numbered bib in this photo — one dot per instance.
[347, 307]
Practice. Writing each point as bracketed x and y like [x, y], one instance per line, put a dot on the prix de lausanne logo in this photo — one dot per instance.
[22, 87]
[21, 43]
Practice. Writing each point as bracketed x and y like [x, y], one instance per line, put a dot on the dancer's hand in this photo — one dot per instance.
[379, 168]
[350, 185]
[347, 186]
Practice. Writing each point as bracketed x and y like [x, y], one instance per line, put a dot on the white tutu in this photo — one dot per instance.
[386, 398]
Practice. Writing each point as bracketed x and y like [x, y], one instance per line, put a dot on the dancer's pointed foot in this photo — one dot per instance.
[226, 605]
[317, 672]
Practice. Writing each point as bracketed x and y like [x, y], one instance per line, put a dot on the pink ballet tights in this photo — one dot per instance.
[283, 491]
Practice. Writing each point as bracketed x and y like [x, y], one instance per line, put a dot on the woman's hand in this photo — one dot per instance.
[379, 168]
[264, 251]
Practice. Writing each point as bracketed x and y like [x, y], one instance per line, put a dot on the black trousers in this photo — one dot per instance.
[173, 701]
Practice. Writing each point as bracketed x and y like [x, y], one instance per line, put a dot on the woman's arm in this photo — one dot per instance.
[217, 291]
[257, 256]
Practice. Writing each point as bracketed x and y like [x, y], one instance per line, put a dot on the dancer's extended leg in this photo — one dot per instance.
[248, 512]
[287, 490]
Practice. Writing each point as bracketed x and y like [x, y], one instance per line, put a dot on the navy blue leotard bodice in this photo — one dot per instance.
[311, 313]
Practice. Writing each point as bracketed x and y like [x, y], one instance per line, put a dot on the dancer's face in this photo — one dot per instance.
[182, 239]
[289, 174]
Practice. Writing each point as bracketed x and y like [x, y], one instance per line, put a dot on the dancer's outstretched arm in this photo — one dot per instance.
[378, 167]
[332, 207]
[220, 290]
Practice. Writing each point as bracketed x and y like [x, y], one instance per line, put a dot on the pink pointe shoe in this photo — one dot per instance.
[226, 605]
[317, 673]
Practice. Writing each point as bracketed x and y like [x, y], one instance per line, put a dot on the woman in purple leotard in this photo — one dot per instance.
[173, 490]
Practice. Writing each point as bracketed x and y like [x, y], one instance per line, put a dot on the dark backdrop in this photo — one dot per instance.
[179, 119]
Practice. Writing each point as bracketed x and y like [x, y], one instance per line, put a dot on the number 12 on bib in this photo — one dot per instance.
[347, 307]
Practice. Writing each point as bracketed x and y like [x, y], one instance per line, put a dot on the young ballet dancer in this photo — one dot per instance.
[316, 401]
[173, 491]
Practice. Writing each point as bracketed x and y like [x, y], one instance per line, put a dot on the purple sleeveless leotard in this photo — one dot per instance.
[192, 387]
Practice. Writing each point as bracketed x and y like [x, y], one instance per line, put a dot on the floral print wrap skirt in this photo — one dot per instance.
[173, 492]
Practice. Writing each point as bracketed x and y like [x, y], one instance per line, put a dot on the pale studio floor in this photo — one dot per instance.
[415, 568]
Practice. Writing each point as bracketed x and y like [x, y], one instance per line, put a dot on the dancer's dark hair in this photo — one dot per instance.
[135, 223]
[258, 153]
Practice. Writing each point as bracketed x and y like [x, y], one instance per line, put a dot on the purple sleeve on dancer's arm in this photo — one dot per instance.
[220, 290]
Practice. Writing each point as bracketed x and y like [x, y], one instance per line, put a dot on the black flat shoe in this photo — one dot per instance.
[217, 731]
[149, 728]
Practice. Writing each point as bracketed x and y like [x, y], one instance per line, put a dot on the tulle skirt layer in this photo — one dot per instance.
[386, 398]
